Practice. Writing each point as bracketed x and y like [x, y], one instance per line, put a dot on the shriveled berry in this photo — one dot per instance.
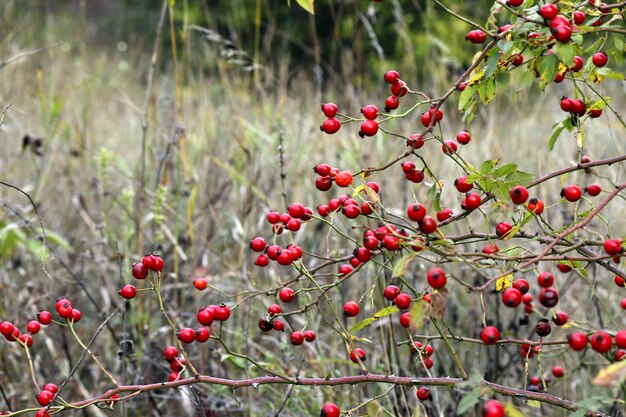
[543, 328]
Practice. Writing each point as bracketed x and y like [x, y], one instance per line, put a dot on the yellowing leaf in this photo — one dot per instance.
[307, 5]
[534, 403]
[511, 411]
[611, 376]
[419, 311]
[508, 235]
[504, 282]
[595, 78]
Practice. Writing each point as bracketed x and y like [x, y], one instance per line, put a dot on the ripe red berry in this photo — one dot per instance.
[26, 339]
[536, 206]
[613, 246]
[343, 178]
[518, 194]
[492, 408]
[436, 278]
[562, 33]
[490, 335]
[601, 342]
[511, 297]
[330, 126]
[262, 260]
[470, 202]
[370, 111]
[415, 176]
[329, 109]
[416, 141]
[462, 185]
[503, 228]
[463, 137]
[392, 76]
[170, 353]
[390, 292]
[6, 328]
[296, 338]
[402, 301]
[128, 292]
[423, 394]
[357, 353]
[491, 249]
[578, 64]
[286, 295]
[549, 297]
[202, 334]
[577, 340]
[139, 271]
[187, 335]
[548, 11]
[578, 107]
[221, 312]
[330, 410]
[351, 309]
[44, 398]
[476, 36]
[444, 214]
[545, 279]
[152, 262]
[33, 327]
[619, 281]
[64, 309]
[391, 103]
[265, 325]
[449, 147]
[309, 335]
[205, 315]
[558, 371]
[399, 88]
[200, 284]
[563, 267]
[368, 128]
[428, 225]
[599, 59]
[44, 317]
[571, 193]
[416, 212]
[521, 285]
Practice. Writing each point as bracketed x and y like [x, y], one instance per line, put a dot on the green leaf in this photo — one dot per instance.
[487, 90]
[504, 170]
[238, 362]
[555, 135]
[400, 268]
[511, 411]
[608, 73]
[307, 5]
[526, 81]
[500, 190]
[53, 237]
[594, 46]
[519, 178]
[466, 100]
[387, 311]
[469, 400]
[492, 64]
[548, 68]
[565, 51]
[619, 43]
[487, 166]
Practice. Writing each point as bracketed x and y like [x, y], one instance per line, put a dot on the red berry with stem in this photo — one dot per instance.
[492, 408]
[399, 88]
[599, 59]
[535, 205]
[476, 36]
[545, 279]
[33, 327]
[521, 285]
[351, 309]
[518, 194]
[423, 394]
[563, 267]
[286, 295]
[200, 284]
[470, 202]
[462, 185]
[558, 371]
[330, 410]
[391, 103]
[402, 301]
[392, 76]
[416, 141]
[44, 398]
[128, 292]
[405, 319]
[491, 249]
[26, 339]
[329, 109]
[187, 335]
[370, 111]
[265, 325]
[571, 193]
[170, 353]
[428, 225]
[6, 328]
[436, 278]
[273, 217]
[391, 292]
[221, 312]
[503, 228]
[343, 178]
[490, 335]
[205, 316]
[44, 317]
[619, 281]
[511, 297]
[416, 212]
[330, 126]
[620, 339]
[444, 214]
[613, 246]
[309, 335]
[578, 64]
[549, 297]
[548, 11]
[296, 338]
[577, 340]
[139, 271]
[368, 128]
[449, 147]
[357, 354]
[601, 342]
[562, 33]
[463, 137]
[262, 260]
[202, 334]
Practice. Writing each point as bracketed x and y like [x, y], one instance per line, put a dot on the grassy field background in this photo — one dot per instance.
[218, 135]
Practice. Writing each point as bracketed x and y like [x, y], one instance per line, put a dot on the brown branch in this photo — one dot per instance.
[542, 397]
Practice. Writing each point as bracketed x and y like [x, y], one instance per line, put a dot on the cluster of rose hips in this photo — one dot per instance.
[176, 361]
[12, 333]
[327, 175]
[349, 206]
[140, 270]
[600, 341]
